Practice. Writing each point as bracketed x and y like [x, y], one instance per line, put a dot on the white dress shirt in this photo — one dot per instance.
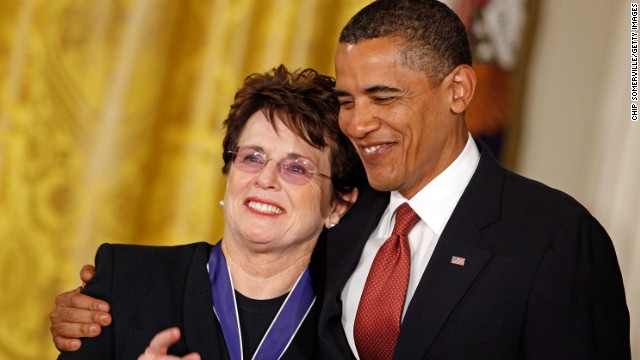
[434, 204]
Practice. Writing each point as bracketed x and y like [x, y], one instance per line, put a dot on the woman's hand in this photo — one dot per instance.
[160, 344]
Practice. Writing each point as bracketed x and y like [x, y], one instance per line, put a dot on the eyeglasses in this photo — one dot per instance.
[294, 170]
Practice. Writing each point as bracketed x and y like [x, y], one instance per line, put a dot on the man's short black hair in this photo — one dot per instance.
[432, 37]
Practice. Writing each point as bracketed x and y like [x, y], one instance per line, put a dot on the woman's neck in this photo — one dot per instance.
[265, 275]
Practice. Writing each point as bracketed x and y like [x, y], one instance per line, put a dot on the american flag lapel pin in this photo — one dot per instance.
[455, 260]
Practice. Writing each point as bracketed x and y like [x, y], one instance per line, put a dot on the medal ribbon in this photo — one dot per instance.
[283, 327]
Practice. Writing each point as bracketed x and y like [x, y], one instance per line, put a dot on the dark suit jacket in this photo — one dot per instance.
[154, 288]
[541, 279]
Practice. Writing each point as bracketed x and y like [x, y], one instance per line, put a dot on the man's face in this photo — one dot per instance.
[402, 127]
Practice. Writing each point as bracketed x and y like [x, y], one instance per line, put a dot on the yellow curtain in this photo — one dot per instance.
[110, 129]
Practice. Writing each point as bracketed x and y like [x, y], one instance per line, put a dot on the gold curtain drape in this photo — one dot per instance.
[110, 129]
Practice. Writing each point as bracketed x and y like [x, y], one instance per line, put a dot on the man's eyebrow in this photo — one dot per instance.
[380, 89]
[376, 89]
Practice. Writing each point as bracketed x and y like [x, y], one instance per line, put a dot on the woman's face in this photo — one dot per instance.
[267, 213]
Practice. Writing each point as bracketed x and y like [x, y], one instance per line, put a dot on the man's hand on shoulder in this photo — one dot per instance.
[77, 315]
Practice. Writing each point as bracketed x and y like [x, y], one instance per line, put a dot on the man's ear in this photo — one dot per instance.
[339, 208]
[462, 84]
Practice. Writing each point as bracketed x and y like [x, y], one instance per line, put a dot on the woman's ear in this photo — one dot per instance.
[462, 84]
[340, 208]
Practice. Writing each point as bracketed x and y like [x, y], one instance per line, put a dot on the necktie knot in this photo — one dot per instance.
[406, 219]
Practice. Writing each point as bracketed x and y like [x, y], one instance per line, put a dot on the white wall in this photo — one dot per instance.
[577, 135]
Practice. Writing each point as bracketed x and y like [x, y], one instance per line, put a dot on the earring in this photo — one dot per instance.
[221, 203]
[332, 225]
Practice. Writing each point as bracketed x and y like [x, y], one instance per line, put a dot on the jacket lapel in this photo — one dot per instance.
[443, 283]
[202, 332]
[344, 248]
[347, 241]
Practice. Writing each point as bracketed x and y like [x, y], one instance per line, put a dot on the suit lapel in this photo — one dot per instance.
[444, 284]
[344, 248]
[347, 241]
[202, 332]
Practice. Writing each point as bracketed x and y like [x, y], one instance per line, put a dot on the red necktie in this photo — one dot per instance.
[377, 323]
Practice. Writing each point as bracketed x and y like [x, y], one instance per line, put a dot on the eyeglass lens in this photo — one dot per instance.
[292, 170]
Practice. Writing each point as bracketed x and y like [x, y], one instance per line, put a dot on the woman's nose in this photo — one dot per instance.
[268, 176]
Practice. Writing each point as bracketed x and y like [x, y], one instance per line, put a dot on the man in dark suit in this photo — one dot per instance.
[502, 267]
[499, 266]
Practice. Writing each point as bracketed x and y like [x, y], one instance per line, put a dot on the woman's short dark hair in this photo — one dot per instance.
[305, 102]
[432, 37]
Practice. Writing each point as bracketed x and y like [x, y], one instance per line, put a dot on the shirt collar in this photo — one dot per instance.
[435, 202]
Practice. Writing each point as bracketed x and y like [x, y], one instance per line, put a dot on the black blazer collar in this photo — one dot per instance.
[199, 318]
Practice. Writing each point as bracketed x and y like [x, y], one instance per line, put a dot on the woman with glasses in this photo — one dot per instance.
[290, 174]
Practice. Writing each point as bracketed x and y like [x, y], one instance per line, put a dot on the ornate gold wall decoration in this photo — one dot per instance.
[110, 129]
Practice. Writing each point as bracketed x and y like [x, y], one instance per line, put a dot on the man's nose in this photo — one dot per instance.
[363, 121]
